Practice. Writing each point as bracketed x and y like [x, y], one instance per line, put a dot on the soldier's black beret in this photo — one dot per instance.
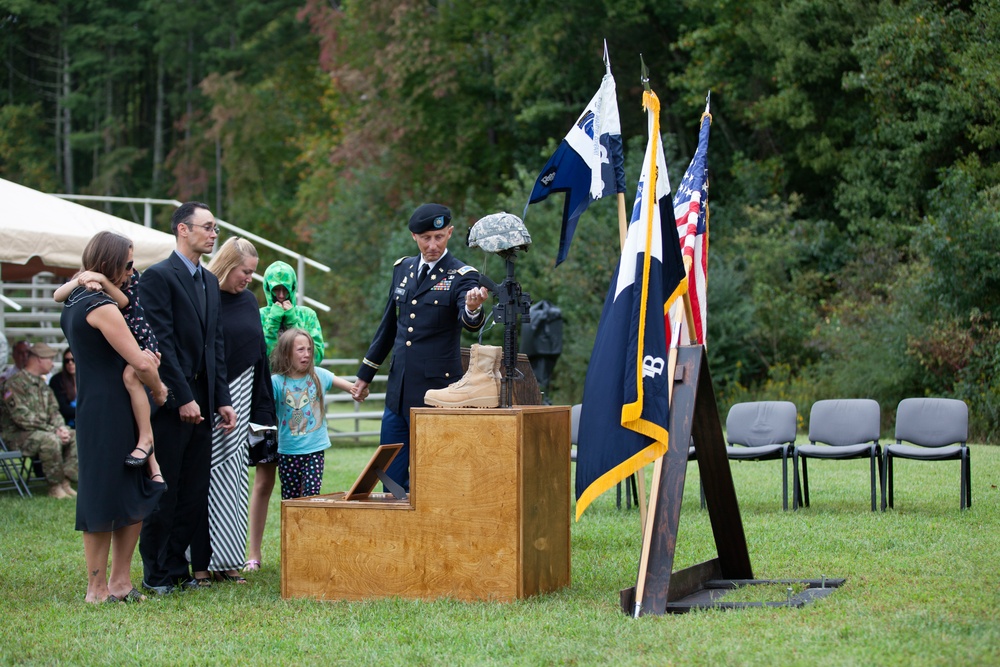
[429, 217]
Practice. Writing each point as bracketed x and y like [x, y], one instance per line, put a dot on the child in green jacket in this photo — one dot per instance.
[282, 312]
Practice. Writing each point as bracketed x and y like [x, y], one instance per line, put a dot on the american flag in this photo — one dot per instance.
[691, 213]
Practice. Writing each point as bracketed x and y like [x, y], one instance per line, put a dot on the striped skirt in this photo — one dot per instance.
[228, 498]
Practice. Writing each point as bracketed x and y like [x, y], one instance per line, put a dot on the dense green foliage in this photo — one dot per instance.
[853, 162]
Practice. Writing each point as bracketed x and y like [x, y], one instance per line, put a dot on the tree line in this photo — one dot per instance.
[853, 162]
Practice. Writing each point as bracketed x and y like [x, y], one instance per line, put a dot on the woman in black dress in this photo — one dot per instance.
[113, 499]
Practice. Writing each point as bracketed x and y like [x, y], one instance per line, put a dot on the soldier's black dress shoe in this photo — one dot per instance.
[194, 583]
[158, 590]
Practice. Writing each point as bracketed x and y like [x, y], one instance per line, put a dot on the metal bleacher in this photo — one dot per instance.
[29, 312]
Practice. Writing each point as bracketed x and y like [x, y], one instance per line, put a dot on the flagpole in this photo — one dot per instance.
[647, 533]
[644, 519]
[623, 233]
[622, 220]
[622, 212]
[641, 472]
[654, 492]
[688, 311]
[688, 261]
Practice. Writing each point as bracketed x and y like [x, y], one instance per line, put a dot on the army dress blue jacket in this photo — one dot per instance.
[422, 326]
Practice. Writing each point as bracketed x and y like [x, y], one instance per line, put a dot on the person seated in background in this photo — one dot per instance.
[31, 422]
[63, 386]
[19, 356]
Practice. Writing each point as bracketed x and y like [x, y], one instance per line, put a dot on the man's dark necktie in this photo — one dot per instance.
[424, 270]
[199, 290]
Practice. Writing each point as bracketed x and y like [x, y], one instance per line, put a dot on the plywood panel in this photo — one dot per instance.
[545, 490]
[347, 554]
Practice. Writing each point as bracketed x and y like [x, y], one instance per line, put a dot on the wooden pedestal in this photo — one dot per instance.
[488, 516]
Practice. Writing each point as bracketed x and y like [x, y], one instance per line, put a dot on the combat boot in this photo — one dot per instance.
[478, 388]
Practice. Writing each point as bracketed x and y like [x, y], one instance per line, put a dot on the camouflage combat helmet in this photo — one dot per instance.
[500, 233]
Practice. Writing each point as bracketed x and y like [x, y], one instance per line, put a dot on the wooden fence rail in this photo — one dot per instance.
[347, 425]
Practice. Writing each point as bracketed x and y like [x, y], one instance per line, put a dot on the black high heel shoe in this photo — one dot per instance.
[134, 462]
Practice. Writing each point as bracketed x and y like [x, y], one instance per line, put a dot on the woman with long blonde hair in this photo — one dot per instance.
[219, 547]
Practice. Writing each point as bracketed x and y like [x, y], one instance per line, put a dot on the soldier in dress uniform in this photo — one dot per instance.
[33, 424]
[433, 295]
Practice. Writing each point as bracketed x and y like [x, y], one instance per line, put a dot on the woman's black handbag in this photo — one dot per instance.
[263, 442]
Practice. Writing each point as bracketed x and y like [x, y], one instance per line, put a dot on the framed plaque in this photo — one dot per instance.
[373, 472]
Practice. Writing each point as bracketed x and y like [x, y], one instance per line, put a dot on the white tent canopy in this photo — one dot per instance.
[40, 232]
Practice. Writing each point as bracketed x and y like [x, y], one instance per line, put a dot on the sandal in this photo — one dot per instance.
[162, 482]
[133, 596]
[251, 566]
[136, 462]
[225, 576]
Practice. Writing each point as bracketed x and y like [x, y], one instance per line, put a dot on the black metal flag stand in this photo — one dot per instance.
[694, 418]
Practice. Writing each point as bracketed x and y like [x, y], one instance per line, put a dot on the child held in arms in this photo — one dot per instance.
[127, 298]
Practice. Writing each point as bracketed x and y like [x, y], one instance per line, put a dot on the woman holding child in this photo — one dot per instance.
[113, 498]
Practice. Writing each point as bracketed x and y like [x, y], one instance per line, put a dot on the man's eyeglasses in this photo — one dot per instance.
[211, 229]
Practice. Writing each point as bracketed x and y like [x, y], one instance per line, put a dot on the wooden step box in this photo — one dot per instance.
[487, 518]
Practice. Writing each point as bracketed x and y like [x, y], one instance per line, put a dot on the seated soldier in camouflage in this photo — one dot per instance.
[32, 423]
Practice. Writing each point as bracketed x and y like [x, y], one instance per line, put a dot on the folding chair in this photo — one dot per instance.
[934, 426]
[763, 431]
[12, 463]
[32, 471]
[848, 429]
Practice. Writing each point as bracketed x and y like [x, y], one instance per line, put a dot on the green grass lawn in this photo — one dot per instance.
[922, 588]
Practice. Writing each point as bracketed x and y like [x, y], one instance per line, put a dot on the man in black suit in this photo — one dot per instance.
[422, 326]
[181, 303]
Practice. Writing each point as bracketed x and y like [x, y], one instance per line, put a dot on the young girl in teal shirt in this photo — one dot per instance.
[299, 387]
